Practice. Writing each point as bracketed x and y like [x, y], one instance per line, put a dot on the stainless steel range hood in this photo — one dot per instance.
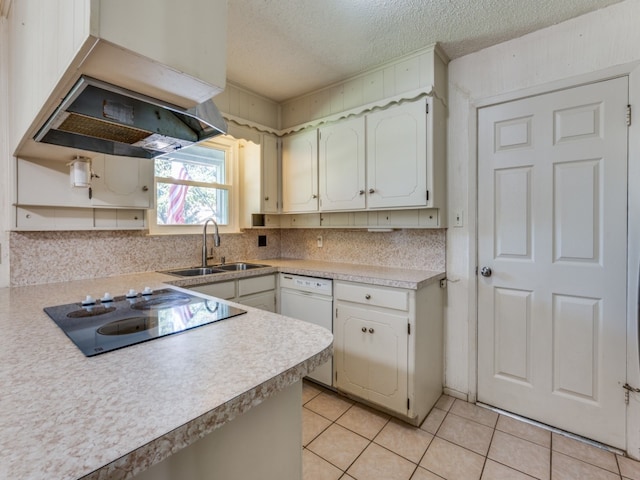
[100, 117]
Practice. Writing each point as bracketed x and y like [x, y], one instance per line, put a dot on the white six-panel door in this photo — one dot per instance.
[552, 210]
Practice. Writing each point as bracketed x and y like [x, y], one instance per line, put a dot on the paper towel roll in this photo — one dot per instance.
[80, 173]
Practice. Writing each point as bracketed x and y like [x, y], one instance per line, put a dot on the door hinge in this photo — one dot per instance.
[409, 328]
[628, 115]
[628, 388]
[427, 107]
[336, 312]
[336, 376]
[408, 404]
[427, 195]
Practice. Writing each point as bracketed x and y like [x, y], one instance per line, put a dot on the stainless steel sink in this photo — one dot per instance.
[193, 272]
[225, 267]
[233, 267]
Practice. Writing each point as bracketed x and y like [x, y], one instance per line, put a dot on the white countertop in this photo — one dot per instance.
[370, 274]
[66, 416]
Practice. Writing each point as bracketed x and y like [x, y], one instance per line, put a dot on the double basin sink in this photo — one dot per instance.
[222, 268]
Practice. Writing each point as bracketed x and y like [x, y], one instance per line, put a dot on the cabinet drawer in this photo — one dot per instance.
[247, 286]
[224, 290]
[370, 295]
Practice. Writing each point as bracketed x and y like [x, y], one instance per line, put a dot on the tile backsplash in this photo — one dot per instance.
[45, 257]
[422, 249]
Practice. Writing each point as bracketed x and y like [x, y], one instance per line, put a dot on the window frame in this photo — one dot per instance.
[232, 158]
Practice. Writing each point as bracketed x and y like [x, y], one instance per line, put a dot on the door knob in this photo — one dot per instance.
[361, 192]
[371, 330]
[364, 329]
[485, 271]
[371, 190]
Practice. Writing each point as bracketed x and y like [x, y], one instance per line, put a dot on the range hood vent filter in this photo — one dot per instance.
[91, 127]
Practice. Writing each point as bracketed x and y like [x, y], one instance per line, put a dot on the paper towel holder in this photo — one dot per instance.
[80, 173]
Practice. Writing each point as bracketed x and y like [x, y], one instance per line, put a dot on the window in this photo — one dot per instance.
[193, 185]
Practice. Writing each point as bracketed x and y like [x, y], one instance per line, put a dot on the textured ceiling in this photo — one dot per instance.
[284, 48]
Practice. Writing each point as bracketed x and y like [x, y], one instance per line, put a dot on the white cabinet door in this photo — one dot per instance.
[397, 156]
[388, 359]
[351, 350]
[258, 292]
[122, 182]
[119, 182]
[263, 301]
[270, 174]
[342, 165]
[300, 172]
[224, 290]
[47, 183]
[371, 355]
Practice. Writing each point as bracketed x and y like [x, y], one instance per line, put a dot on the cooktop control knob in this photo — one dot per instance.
[89, 300]
[147, 291]
[107, 297]
[131, 293]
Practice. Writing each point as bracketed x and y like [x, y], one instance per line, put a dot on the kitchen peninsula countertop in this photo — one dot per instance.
[66, 416]
[370, 274]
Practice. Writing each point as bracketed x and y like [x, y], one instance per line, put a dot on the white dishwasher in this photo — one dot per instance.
[309, 299]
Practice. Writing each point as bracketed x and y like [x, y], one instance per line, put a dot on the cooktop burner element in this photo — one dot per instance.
[127, 320]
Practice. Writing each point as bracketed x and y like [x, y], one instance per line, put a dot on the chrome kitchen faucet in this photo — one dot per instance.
[216, 240]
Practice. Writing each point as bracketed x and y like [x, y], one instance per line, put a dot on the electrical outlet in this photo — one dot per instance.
[457, 218]
[319, 240]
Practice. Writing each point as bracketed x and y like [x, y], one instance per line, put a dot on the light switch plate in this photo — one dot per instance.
[319, 239]
[457, 218]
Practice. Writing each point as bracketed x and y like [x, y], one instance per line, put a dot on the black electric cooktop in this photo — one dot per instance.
[110, 324]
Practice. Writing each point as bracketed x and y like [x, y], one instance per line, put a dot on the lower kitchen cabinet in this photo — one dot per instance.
[388, 346]
[258, 292]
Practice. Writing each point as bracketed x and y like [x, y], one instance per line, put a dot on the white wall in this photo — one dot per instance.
[6, 170]
[595, 46]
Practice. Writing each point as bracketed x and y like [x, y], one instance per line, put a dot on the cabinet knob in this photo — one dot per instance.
[371, 330]
[367, 296]
[314, 196]
[266, 199]
[145, 189]
[364, 329]
[371, 190]
[361, 192]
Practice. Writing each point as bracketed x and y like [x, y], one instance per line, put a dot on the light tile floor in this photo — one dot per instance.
[344, 440]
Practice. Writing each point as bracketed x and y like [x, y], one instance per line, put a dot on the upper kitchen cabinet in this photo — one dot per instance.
[397, 160]
[382, 139]
[259, 172]
[388, 158]
[117, 182]
[171, 51]
[300, 172]
[342, 165]
[270, 197]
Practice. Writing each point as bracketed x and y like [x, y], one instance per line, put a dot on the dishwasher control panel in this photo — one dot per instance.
[320, 286]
